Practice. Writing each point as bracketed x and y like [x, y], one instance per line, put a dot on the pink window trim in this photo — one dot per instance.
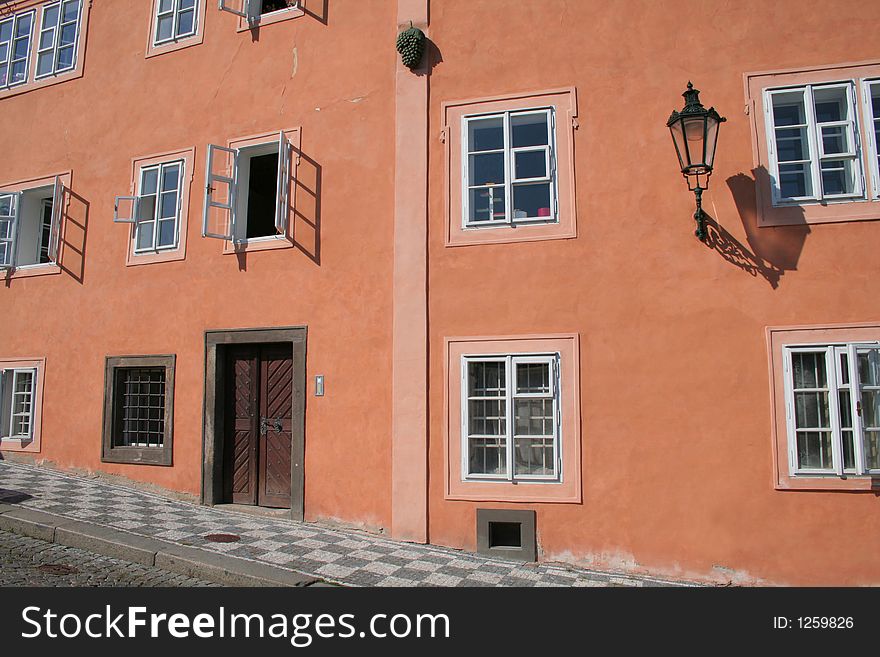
[40, 365]
[294, 136]
[782, 336]
[66, 178]
[273, 17]
[568, 489]
[77, 70]
[181, 43]
[564, 101]
[815, 212]
[169, 255]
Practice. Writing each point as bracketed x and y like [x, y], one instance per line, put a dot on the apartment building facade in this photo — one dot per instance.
[251, 257]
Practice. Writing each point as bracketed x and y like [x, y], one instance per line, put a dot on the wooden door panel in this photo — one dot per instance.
[241, 471]
[276, 401]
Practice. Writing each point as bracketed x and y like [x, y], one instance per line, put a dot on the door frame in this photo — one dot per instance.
[214, 429]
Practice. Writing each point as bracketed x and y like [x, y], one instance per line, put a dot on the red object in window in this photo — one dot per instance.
[543, 212]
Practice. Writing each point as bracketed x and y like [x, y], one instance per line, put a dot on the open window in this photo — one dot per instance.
[253, 10]
[247, 191]
[30, 221]
[17, 408]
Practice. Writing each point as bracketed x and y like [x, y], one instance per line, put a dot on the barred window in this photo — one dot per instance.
[138, 409]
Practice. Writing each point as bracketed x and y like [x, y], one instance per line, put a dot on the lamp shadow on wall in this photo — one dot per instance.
[72, 246]
[306, 199]
[771, 251]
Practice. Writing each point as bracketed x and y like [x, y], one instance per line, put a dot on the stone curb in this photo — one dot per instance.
[182, 559]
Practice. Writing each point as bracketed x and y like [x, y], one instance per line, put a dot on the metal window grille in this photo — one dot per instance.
[140, 399]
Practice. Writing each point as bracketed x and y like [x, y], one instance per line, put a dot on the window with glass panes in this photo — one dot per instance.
[15, 48]
[510, 417]
[175, 19]
[509, 168]
[814, 142]
[59, 32]
[872, 97]
[158, 207]
[17, 388]
[833, 409]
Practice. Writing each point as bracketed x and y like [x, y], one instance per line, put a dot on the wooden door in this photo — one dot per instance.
[258, 452]
[276, 406]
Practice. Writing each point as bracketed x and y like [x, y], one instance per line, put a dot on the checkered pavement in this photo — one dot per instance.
[344, 556]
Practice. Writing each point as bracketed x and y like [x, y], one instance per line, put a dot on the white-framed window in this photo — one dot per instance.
[30, 221]
[16, 32]
[17, 406]
[814, 143]
[509, 168]
[872, 105]
[247, 192]
[510, 424]
[59, 36]
[833, 409]
[155, 210]
[175, 19]
[254, 10]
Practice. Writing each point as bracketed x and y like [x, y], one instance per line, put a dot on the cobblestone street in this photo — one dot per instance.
[26, 561]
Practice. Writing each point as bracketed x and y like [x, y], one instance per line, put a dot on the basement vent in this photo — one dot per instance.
[508, 534]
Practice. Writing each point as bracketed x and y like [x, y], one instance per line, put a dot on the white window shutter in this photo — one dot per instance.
[237, 7]
[282, 195]
[125, 209]
[57, 217]
[10, 210]
[219, 214]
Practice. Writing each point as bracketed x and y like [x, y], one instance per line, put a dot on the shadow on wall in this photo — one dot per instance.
[771, 251]
[306, 199]
[72, 247]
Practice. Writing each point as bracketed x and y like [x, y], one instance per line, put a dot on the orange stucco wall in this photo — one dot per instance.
[676, 433]
[296, 73]
[676, 444]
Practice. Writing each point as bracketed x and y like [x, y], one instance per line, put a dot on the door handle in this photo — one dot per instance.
[277, 426]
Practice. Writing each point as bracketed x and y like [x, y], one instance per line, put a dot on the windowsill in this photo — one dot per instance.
[831, 482]
[153, 257]
[26, 271]
[258, 244]
[270, 18]
[509, 233]
[42, 82]
[138, 456]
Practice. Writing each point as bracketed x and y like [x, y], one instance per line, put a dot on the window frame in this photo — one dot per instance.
[815, 143]
[509, 153]
[56, 39]
[563, 103]
[871, 128]
[111, 453]
[564, 489]
[511, 362]
[155, 48]
[813, 338]
[160, 168]
[60, 184]
[770, 211]
[38, 367]
[10, 60]
[222, 169]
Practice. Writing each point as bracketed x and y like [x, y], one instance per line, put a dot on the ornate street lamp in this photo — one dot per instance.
[695, 134]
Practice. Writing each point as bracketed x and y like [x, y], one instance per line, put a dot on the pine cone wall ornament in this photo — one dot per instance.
[411, 46]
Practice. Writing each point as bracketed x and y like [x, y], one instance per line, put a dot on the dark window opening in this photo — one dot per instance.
[45, 231]
[262, 193]
[267, 6]
[505, 535]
